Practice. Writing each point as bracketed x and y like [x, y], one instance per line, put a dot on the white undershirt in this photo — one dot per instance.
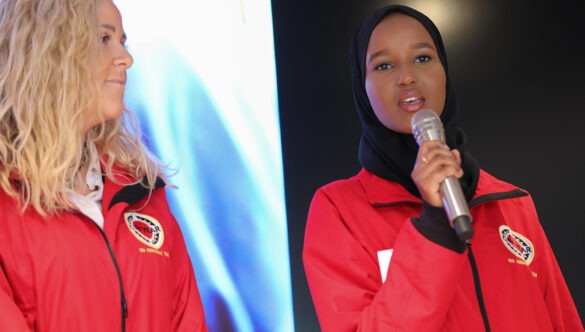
[91, 204]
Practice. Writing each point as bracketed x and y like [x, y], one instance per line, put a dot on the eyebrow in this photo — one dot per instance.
[113, 29]
[423, 45]
[416, 46]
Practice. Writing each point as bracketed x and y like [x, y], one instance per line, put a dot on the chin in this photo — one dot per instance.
[112, 113]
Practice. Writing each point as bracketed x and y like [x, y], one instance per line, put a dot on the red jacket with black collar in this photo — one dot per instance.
[64, 273]
[369, 267]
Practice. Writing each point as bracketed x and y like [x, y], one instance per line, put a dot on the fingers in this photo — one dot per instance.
[435, 162]
[457, 155]
[434, 156]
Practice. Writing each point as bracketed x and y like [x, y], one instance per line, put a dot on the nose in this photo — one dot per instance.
[124, 58]
[406, 76]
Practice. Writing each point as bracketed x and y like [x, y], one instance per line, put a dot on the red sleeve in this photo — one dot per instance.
[12, 317]
[188, 313]
[344, 277]
[560, 305]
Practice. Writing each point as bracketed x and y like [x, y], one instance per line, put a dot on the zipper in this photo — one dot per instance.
[123, 301]
[474, 202]
[477, 283]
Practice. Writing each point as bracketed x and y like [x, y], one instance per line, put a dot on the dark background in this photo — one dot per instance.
[519, 70]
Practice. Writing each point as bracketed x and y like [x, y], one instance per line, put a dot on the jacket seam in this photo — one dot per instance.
[497, 196]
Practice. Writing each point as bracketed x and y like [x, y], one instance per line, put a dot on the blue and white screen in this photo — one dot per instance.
[203, 86]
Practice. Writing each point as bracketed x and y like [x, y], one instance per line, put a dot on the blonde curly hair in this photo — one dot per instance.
[45, 86]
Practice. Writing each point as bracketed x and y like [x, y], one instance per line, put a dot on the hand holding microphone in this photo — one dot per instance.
[427, 126]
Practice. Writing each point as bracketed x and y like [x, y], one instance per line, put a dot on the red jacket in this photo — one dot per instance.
[63, 273]
[353, 222]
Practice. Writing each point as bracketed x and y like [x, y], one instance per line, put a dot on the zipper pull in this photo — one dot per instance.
[125, 307]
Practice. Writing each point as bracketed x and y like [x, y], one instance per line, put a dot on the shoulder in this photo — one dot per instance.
[350, 183]
[357, 185]
[511, 197]
[490, 184]
[11, 206]
[336, 193]
[363, 188]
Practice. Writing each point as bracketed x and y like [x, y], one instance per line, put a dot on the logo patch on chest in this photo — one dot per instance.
[145, 228]
[519, 245]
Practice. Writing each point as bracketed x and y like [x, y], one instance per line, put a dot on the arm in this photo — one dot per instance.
[12, 317]
[344, 277]
[560, 305]
[188, 313]
[188, 310]
[559, 302]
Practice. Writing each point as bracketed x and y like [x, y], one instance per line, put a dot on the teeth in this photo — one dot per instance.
[410, 100]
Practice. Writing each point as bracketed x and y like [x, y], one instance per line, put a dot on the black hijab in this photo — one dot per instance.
[389, 154]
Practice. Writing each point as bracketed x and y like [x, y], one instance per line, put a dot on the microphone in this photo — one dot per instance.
[427, 126]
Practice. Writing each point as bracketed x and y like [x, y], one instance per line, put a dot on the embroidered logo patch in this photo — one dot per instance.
[520, 246]
[145, 228]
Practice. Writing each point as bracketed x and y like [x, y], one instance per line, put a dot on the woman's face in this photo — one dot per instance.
[403, 72]
[110, 65]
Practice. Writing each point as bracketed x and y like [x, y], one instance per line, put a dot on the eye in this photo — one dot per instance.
[422, 59]
[123, 40]
[104, 37]
[384, 66]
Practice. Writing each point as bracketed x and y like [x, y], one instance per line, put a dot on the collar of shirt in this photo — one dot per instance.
[91, 204]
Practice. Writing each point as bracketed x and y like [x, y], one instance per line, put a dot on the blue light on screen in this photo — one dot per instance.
[203, 85]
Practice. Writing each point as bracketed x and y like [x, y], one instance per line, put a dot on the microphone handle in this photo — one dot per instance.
[456, 208]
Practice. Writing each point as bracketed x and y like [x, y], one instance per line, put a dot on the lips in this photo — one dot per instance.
[116, 81]
[411, 101]
[118, 78]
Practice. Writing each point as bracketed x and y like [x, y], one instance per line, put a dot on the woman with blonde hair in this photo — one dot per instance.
[88, 241]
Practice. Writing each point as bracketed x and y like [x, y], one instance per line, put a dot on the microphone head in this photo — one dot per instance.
[427, 126]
